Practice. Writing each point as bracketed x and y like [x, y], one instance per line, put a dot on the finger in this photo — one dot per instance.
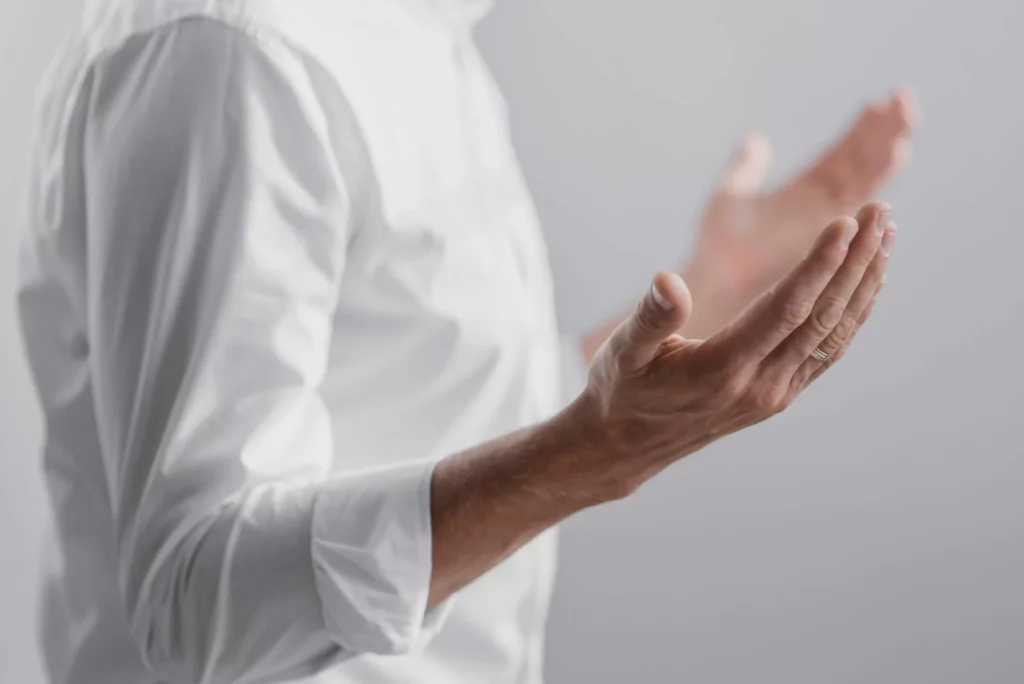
[756, 334]
[662, 311]
[905, 110]
[748, 166]
[815, 369]
[829, 313]
[836, 343]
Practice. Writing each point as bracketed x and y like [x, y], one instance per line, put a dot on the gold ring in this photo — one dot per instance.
[819, 355]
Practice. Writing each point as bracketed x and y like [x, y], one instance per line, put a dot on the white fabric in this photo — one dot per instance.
[279, 261]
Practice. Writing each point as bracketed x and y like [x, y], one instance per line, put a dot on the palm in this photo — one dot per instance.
[749, 237]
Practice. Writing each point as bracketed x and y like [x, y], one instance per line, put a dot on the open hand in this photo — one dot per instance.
[654, 396]
[749, 237]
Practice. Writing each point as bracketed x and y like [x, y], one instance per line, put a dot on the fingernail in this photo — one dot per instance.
[888, 239]
[881, 221]
[661, 299]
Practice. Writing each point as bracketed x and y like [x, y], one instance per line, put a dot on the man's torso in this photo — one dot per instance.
[444, 334]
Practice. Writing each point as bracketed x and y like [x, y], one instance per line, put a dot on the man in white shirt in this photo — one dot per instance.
[289, 314]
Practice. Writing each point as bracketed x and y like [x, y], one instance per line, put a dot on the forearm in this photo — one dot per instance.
[652, 398]
[489, 501]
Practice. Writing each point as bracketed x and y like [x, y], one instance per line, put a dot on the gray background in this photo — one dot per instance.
[875, 532]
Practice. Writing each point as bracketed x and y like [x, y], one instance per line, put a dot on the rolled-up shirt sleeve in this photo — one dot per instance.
[218, 220]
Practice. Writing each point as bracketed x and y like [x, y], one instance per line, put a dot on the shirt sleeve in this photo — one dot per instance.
[218, 221]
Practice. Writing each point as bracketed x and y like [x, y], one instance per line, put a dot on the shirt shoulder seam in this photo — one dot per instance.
[264, 37]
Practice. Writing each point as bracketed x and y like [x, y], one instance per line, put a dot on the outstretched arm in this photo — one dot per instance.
[653, 397]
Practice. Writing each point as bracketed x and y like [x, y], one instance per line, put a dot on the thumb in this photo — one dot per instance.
[662, 312]
[748, 167]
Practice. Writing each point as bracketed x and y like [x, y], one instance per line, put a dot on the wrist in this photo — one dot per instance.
[576, 447]
[594, 463]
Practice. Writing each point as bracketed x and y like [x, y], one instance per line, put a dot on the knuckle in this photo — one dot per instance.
[770, 400]
[791, 396]
[794, 312]
[799, 382]
[621, 488]
[843, 332]
[738, 366]
[732, 389]
[828, 313]
[764, 405]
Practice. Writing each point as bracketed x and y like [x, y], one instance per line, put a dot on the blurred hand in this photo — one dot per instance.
[654, 396]
[749, 237]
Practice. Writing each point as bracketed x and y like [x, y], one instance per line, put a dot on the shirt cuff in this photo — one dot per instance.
[372, 550]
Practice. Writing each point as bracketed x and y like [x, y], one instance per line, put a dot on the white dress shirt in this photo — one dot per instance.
[279, 260]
